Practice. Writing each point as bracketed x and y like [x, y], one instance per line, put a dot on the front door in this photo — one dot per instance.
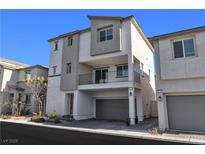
[101, 76]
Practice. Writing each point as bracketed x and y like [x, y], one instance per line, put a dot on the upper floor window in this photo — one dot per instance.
[122, 70]
[28, 99]
[184, 48]
[56, 46]
[68, 68]
[54, 70]
[106, 34]
[27, 75]
[70, 41]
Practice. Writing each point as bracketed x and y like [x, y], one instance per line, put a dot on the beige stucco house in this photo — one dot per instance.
[103, 72]
[12, 86]
[180, 79]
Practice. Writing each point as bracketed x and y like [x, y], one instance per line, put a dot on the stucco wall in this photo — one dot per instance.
[55, 98]
[56, 58]
[103, 47]
[179, 68]
[142, 52]
[85, 47]
[7, 74]
[70, 55]
[83, 105]
[183, 74]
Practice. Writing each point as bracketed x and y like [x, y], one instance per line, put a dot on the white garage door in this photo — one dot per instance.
[186, 112]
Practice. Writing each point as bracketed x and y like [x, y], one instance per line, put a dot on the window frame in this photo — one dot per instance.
[123, 68]
[184, 53]
[68, 68]
[26, 74]
[54, 68]
[69, 41]
[55, 46]
[105, 29]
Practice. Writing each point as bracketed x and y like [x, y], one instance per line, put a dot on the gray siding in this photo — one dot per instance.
[70, 55]
[113, 45]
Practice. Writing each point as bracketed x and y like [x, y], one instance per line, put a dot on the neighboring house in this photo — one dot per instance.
[12, 77]
[103, 72]
[180, 79]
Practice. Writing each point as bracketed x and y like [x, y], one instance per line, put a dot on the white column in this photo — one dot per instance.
[131, 94]
[161, 111]
[140, 112]
[75, 104]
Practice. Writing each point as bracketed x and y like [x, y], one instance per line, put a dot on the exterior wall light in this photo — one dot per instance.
[160, 98]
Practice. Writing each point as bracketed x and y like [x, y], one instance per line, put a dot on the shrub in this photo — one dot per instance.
[52, 115]
[5, 117]
[154, 131]
[37, 118]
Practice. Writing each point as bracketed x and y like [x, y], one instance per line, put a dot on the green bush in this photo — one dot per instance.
[154, 131]
[5, 117]
[37, 118]
[52, 115]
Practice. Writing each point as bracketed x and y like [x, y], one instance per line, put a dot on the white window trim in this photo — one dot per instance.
[54, 49]
[182, 39]
[123, 66]
[105, 29]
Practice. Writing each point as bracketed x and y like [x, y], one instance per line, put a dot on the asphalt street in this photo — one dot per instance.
[21, 134]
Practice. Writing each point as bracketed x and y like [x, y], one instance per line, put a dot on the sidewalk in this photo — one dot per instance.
[118, 129]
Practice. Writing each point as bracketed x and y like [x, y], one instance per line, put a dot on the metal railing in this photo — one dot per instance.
[107, 77]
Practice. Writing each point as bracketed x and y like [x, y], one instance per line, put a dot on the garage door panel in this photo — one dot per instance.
[186, 112]
[112, 109]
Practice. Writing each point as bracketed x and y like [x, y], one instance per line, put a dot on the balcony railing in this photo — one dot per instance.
[106, 77]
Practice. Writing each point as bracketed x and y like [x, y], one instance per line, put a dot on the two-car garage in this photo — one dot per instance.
[186, 112]
[112, 109]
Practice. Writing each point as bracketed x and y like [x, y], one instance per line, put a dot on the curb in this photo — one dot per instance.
[122, 133]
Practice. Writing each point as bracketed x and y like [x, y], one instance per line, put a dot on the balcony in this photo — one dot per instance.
[105, 77]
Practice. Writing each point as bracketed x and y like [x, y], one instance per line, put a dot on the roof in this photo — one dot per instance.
[132, 18]
[34, 66]
[13, 65]
[109, 17]
[173, 34]
[12, 62]
[69, 34]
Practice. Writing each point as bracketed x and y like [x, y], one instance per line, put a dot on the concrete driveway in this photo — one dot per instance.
[110, 125]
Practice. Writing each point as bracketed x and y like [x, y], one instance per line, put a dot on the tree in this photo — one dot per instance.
[38, 87]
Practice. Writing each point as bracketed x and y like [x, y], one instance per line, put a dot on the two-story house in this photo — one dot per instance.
[103, 72]
[180, 79]
[12, 77]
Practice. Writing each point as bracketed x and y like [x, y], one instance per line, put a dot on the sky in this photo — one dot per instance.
[24, 33]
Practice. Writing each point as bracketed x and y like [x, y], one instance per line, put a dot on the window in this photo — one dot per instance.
[19, 97]
[27, 75]
[55, 46]
[68, 68]
[106, 34]
[54, 70]
[101, 76]
[28, 99]
[184, 48]
[70, 41]
[122, 70]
